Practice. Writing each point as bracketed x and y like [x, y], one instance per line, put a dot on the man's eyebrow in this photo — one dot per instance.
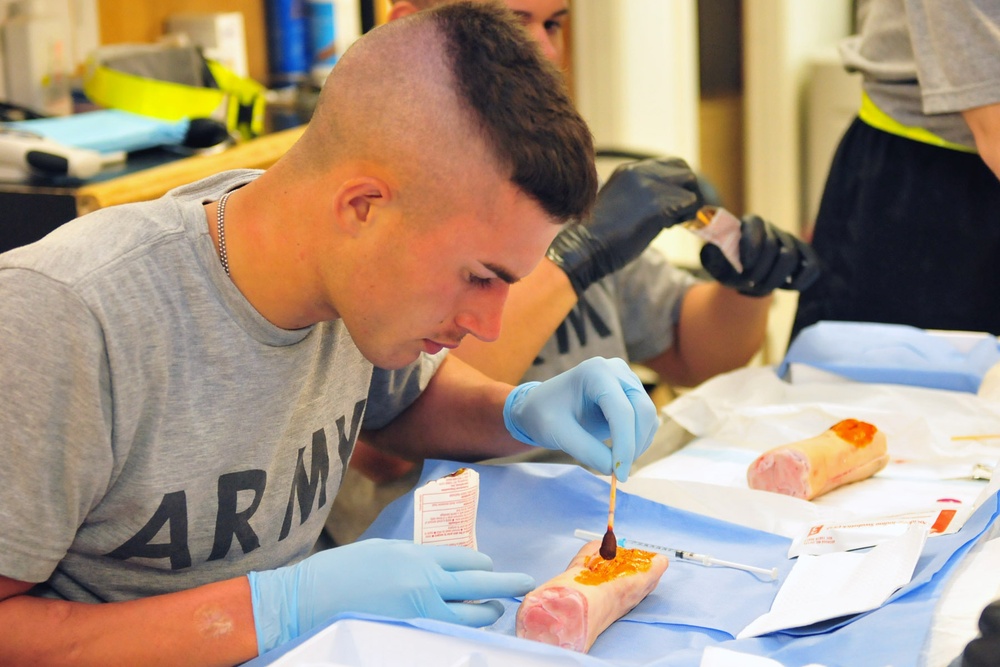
[520, 13]
[502, 273]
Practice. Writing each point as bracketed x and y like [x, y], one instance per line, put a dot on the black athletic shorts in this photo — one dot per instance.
[908, 233]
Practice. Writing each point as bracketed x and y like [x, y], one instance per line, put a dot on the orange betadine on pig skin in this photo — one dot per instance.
[856, 432]
[598, 569]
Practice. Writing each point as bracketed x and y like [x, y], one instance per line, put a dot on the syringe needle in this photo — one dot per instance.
[708, 560]
[680, 554]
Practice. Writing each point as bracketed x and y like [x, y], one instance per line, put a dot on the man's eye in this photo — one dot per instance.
[482, 283]
[553, 27]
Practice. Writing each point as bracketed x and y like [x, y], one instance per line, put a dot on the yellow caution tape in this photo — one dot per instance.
[239, 101]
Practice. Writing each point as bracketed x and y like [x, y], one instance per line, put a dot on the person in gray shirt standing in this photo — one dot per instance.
[184, 380]
[907, 225]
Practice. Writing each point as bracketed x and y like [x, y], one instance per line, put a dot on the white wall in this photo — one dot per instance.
[635, 65]
[635, 68]
[782, 39]
[832, 99]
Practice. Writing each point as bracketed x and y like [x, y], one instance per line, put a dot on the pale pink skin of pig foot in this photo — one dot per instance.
[812, 467]
[785, 471]
[564, 612]
[558, 617]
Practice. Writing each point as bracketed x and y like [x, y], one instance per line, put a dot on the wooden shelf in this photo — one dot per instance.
[151, 183]
[131, 22]
[31, 209]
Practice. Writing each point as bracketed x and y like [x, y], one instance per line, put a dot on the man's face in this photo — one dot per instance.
[427, 281]
[546, 21]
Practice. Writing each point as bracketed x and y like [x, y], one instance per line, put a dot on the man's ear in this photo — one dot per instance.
[357, 202]
[400, 9]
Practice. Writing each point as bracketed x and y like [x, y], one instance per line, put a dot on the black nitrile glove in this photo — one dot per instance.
[640, 199]
[984, 649]
[772, 259]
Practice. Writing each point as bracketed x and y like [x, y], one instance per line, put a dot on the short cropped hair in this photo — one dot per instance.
[521, 104]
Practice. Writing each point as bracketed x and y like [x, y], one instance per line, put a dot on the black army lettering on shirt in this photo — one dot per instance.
[582, 320]
[308, 487]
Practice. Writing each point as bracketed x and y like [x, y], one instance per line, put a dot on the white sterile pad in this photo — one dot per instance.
[722, 230]
[444, 510]
[821, 588]
[831, 536]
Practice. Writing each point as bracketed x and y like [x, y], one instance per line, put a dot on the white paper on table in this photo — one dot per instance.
[973, 586]
[828, 537]
[990, 490]
[753, 408]
[770, 512]
[829, 586]
[804, 373]
[738, 415]
[989, 388]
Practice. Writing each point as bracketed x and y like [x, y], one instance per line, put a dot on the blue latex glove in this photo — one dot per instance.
[576, 411]
[394, 578]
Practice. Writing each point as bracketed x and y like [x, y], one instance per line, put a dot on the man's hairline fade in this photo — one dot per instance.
[463, 49]
[468, 57]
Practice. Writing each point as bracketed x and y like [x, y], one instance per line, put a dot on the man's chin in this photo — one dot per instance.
[400, 357]
[393, 361]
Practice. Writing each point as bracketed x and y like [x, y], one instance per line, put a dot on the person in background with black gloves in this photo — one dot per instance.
[603, 291]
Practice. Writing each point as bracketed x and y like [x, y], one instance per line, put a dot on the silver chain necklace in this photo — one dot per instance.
[220, 218]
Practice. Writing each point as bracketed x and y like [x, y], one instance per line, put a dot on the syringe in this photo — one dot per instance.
[680, 554]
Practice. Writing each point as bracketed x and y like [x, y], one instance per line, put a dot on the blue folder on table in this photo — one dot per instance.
[895, 354]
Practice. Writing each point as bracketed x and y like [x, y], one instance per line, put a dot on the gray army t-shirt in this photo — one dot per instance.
[631, 314]
[158, 432]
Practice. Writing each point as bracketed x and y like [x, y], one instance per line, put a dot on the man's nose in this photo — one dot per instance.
[483, 314]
